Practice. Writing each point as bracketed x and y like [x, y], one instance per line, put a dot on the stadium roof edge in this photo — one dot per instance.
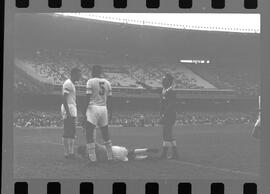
[218, 29]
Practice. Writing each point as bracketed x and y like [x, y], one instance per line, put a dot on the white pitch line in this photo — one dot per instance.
[216, 168]
[191, 164]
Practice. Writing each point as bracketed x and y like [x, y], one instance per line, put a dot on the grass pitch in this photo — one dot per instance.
[206, 152]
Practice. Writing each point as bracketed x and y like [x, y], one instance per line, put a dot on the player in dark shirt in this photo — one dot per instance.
[167, 113]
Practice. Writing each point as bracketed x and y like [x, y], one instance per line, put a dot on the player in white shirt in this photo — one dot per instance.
[69, 112]
[98, 94]
[121, 153]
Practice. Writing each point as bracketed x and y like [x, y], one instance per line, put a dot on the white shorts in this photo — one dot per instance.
[97, 115]
[72, 111]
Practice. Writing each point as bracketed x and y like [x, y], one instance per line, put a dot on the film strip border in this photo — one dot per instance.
[121, 188]
[150, 4]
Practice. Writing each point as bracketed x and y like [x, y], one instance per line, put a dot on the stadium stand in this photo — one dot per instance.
[49, 62]
[35, 118]
[53, 67]
[230, 76]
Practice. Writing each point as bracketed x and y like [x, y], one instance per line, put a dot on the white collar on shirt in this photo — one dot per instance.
[166, 90]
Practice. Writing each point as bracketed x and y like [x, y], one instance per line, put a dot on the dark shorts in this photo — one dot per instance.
[69, 127]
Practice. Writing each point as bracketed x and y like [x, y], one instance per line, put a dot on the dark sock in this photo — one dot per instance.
[153, 150]
[164, 152]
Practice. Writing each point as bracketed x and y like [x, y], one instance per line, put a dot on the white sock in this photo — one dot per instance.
[166, 144]
[140, 151]
[91, 151]
[65, 143]
[173, 143]
[108, 146]
[71, 146]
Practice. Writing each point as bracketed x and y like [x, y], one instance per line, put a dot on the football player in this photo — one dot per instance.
[97, 104]
[120, 153]
[257, 128]
[167, 113]
[256, 132]
[69, 112]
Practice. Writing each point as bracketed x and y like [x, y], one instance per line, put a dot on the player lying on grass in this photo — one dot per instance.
[120, 153]
[167, 113]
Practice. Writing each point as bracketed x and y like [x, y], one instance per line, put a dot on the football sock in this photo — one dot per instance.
[65, 142]
[152, 150]
[108, 146]
[91, 151]
[71, 146]
[174, 150]
[164, 152]
[167, 144]
[173, 143]
[140, 151]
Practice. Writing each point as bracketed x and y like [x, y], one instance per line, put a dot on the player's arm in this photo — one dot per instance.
[147, 87]
[65, 99]
[109, 101]
[86, 101]
[87, 98]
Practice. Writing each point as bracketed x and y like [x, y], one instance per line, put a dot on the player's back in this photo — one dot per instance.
[100, 89]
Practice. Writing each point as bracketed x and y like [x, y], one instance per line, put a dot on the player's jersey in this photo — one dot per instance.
[167, 101]
[100, 89]
[119, 153]
[70, 90]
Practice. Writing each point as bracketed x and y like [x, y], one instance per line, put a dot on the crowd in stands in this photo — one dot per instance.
[152, 73]
[37, 119]
[135, 119]
[56, 65]
[229, 77]
[21, 86]
[217, 118]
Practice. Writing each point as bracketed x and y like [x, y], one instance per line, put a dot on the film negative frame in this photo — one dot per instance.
[132, 186]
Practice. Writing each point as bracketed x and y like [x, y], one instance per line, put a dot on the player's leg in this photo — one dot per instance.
[107, 141]
[169, 140]
[82, 151]
[142, 153]
[65, 143]
[71, 143]
[175, 154]
[103, 124]
[166, 129]
[66, 137]
[90, 126]
[90, 143]
[145, 150]
[71, 140]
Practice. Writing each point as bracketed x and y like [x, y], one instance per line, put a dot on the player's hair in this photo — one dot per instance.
[81, 150]
[96, 70]
[74, 71]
